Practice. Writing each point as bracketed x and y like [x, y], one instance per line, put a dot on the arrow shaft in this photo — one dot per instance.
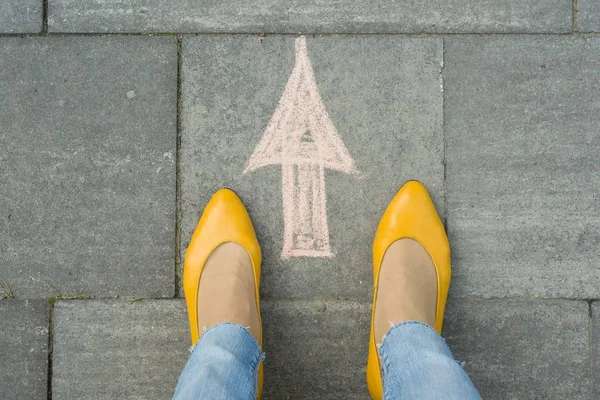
[304, 211]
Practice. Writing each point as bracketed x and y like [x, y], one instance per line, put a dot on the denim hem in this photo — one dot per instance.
[262, 354]
[223, 324]
[255, 368]
[394, 326]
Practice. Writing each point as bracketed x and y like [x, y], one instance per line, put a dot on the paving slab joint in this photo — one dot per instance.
[592, 349]
[576, 24]
[178, 171]
[444, 134]
[420, 35]
[51, 302]
[44, 17]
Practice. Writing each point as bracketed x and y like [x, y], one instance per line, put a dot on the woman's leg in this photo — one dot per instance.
[221, 280]
[415, 361]
[417, 364]
[223, 365]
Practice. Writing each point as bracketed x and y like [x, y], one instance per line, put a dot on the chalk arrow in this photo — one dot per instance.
[302, 139]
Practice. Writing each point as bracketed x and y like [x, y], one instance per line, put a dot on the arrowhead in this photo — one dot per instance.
[300, 130]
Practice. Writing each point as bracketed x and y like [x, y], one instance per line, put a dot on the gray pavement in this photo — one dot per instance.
[276, 16]
[523, 181]
[118, 349]
[24, 349]
[589, 15]
[523, 349]
[88, 165]
[21, 16]
[111, 144]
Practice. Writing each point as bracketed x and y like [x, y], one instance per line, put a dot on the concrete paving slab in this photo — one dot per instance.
[522, 349]
[24, 349]
[315, 349]
[87, 154]
[118, 349]
[276, 16]
[522, 166]
[589, 15]
[383, 95]
[21, 16]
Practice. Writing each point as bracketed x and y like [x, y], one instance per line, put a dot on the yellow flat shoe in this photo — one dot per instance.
[224, 219]
[412, 215]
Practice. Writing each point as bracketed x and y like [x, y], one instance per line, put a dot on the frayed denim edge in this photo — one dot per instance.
[395, 325]
[205, 330]
[255, 368]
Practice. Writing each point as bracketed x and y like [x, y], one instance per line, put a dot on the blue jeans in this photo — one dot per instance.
[416, 364]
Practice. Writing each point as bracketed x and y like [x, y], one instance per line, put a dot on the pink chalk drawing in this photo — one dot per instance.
[302, 139]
